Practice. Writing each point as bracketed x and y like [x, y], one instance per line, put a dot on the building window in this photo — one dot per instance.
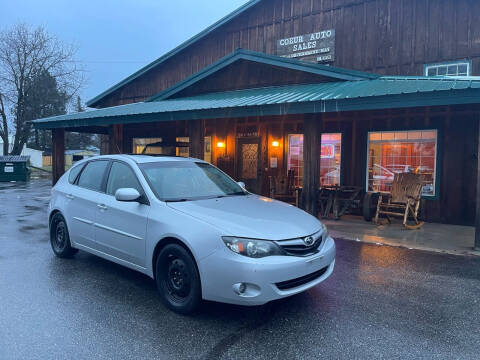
[401, 151]
[330, 158]
[154, 145]
[182, 149]
[453, 68]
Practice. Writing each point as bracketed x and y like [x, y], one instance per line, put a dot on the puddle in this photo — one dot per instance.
[33, 207]
[32, 227]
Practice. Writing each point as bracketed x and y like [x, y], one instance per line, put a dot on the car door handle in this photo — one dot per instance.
[70, 196]
[102, 206]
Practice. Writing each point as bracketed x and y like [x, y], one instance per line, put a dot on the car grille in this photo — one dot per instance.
[297, 247]
[289, 284]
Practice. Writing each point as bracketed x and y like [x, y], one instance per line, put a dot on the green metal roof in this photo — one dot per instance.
[241, 54]
[381, 93]
[173, 52]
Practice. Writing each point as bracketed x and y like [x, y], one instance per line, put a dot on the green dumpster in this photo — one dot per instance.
[14, 168]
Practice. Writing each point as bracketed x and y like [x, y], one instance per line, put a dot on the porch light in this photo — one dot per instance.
[220, 144]
[275, 144]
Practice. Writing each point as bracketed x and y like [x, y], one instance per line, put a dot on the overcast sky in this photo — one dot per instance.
[117, 37]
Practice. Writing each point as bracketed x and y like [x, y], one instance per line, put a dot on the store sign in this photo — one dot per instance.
[319, 46]
[327, 151]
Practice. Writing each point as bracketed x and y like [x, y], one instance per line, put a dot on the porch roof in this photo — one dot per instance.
[369, 94]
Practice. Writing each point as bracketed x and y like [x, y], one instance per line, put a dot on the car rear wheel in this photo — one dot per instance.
[177, 279]
[59, 237]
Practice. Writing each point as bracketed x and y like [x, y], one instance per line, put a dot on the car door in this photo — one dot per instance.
[83, 199]
[120, 227]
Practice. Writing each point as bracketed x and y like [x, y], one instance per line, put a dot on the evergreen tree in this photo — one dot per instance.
[43, 99]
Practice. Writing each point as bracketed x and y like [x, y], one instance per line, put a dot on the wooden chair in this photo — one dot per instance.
[403, 200]
[282, 188]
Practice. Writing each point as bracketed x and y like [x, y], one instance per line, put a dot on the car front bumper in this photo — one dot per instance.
[223, 271]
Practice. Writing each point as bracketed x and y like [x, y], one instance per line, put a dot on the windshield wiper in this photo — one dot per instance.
[238, 193]
[176, 200]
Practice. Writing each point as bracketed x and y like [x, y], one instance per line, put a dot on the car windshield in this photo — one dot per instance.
[188, 180]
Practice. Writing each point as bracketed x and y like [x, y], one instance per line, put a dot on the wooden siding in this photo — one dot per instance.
[394, 37]
[457, 148]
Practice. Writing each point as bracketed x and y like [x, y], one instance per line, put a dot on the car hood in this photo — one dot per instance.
[251, 216]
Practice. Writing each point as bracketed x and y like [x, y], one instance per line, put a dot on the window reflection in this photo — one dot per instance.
[402, 151]
[331, 151]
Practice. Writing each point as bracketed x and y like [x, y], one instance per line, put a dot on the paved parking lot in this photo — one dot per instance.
[381, 302]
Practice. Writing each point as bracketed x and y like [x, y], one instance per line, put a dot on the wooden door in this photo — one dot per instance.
[249, 163]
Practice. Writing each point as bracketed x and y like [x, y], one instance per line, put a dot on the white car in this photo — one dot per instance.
[190, 227]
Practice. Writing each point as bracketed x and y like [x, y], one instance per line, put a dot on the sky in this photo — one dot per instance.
[115, 38]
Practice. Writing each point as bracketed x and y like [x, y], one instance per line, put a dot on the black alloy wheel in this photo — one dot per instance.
[59, 237]
[178, 281]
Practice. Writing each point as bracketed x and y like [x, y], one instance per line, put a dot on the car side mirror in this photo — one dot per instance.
[242, 185]
[127, 194]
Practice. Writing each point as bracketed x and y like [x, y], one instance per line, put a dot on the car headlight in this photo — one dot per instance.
[324, 232]
[252, 247]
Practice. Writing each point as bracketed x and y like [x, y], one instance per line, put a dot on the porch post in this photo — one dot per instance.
[58, 154]
[477, 213]
[196, 134]
[312, 135]
[115, 139]
[169, 138]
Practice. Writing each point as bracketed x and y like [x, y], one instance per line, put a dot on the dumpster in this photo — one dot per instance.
[14, 168]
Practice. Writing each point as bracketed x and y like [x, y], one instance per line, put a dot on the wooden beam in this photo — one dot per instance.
[58, 154]
[169, 138]
[312, 135]
[196, 133]
[477, 214]
[115, 139]
[89, 130]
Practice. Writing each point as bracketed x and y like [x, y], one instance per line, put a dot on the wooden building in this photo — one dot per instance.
[335, 91]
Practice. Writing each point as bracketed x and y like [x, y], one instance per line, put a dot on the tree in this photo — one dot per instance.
[81, 141]
[29, 56]
[3, 125]
[42, 100]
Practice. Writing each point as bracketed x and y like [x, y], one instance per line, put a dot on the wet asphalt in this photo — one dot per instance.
[381, 303]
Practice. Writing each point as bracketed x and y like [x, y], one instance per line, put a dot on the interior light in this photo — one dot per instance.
[220, 144]
[275, 143]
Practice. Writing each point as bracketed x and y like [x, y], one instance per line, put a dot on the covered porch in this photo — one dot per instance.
[444, 238]
[343, 129]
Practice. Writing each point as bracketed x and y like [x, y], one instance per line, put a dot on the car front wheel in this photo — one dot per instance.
[177, 279]
[59, 237]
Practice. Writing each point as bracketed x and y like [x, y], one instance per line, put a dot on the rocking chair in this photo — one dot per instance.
[403, 200]
[282, 188]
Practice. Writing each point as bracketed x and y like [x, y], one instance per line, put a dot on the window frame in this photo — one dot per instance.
[103, 182]
[467, 62]
[81, 166]
[342, 151]
[436, 195]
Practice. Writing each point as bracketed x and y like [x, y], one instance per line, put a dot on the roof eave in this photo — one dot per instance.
[433, 98]
[92, 102]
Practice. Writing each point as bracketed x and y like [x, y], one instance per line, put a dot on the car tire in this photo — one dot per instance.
[178, 280]
[59, 237]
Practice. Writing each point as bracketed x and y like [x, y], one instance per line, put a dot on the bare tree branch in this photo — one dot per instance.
[26, 54]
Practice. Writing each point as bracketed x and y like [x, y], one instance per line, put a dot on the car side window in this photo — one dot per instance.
[92, 176]
[74, 173]
[122, 176]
